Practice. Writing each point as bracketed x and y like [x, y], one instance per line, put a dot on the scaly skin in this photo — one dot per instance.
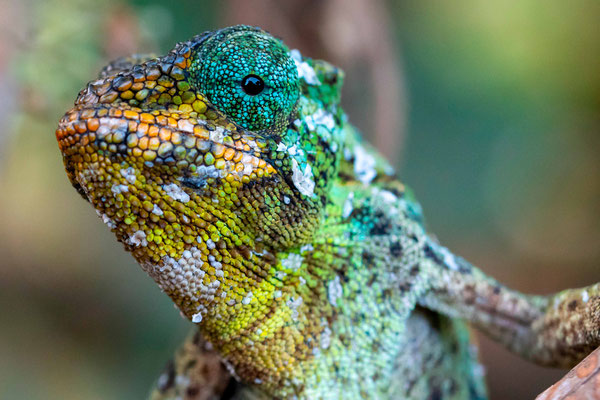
[290, 243]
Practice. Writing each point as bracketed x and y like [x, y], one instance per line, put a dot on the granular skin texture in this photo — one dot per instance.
[286, 239]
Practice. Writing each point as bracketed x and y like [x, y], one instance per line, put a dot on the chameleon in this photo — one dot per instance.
[231, 173]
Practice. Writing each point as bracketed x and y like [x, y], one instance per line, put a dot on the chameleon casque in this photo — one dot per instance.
[228, 169]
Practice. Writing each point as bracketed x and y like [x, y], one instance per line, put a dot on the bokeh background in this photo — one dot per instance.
[490, 110]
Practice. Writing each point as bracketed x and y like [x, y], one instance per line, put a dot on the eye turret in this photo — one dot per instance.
[250, 76]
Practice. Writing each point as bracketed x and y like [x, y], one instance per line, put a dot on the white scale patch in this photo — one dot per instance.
[204, 172]
[320, 117]
[303, 180]
[306, 247]
[364, 165]
[185, 276]
[176, 193]
[138, 239]
[157, 211]
[293, 304]
[214, 262]
[280, 275]
[112, 126]
[347, 154]
[117, 189]
[185, 125]
[348, 206]
[326, 338]
[293, 261]
[163, 380]
[294, 150]
[387, 196]
[246, 300]
[197, 318]
[128, 174]
[449, 259]
[109, 222]
[182, 381]
[217, 135]
[305, 71]
[334, 290]
[585, 296]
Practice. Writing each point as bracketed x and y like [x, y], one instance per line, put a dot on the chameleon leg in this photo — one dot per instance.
[194, 373]
[556, 330]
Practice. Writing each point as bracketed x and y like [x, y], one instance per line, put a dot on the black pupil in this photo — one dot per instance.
[253, 85]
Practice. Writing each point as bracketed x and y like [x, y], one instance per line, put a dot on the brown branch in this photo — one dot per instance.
[582, 382]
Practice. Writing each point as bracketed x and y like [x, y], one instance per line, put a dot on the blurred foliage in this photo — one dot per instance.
[502, 149]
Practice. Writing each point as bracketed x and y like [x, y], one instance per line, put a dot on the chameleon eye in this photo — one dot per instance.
[253, 85]
[250, 76]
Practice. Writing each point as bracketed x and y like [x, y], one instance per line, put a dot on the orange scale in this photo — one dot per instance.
[229, 153]
[115, 112]
[153, 74]
[161, 119]
[89, 113]
[238, 145]
[129, 114]
[201, 132]
[142, 128]
[218, 150]
[164, 134]
[137, 86]
[143, 143]
[153, 131]
[93, 124]
[81, 127]
[147, 117]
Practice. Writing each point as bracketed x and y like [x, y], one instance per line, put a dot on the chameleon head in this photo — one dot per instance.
[206, 163]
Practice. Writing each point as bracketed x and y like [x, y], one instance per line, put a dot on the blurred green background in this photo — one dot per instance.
[490, 110]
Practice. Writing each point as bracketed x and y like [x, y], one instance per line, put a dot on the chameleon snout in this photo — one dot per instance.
[97, 140]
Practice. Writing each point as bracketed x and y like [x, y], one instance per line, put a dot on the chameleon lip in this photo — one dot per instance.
[116, 129]
[196, 148]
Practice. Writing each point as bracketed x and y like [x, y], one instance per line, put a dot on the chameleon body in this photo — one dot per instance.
[231, 173]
